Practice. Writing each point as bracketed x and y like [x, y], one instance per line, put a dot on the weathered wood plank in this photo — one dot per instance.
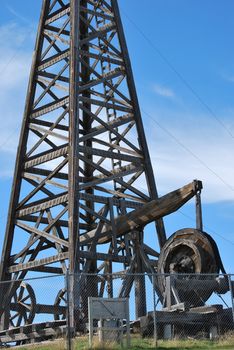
[104, 257]
[97, 13]
[58, 14]
[50, 124]
[101, 57]
[28, 327]
[53, 76]
[54, 59]
[40, 179]
[46, 156]
[56, 37]
[110, 75]
[100, 32]
[113, 175]
[44, 234]
[109, 154]
[50, 107]
[39, 334]
[42, 205]
[48, 132]
[60, 223]
[37, 263]
[44, 172]
[104, 200]
[105, 104]
[57, 30]
[106, 126]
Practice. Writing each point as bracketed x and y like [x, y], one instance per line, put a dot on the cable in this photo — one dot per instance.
[157, 123]
[191, 89]
[17, 51]
[209, 229]
[188, 150]
[179, 75]
[8, 138]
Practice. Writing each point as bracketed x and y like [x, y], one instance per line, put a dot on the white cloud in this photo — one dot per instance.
[18, 15]
[164, 91]
[15, 61]
[228, 77]
[14, 56]
[173, 165]
[231, 79]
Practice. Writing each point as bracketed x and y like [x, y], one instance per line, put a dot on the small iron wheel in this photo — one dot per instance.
[61, 302]
[23, 306]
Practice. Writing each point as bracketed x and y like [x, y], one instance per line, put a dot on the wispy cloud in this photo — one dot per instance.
[164, 91]
[15, 61]
[18, 15]
[173, 166]
[227, 76]
[204, 157]
[230, 79]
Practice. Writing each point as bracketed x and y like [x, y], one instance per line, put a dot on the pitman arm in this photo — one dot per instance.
[149, 212]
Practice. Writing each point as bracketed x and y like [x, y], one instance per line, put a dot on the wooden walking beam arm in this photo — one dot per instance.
[149, 212]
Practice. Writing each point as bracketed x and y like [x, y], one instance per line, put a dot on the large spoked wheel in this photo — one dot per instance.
[189, 254]
[23, 306]
[60, 305]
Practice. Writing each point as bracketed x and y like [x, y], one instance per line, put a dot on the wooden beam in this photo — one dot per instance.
[58, 14]
[54, 59]
[46, 156]
[43, 204]
[50, 107]
[151, 211]
[44, 234]
[37, 263]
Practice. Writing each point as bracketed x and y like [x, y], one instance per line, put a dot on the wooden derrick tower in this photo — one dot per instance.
[83, 187]
[82, 160]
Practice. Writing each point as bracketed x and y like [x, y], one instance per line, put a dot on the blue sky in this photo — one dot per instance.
[182, 55]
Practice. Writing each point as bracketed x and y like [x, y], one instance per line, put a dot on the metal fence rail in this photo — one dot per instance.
[191, 306]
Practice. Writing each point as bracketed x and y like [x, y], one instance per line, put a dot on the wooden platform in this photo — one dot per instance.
[33, 332]
[187, 322]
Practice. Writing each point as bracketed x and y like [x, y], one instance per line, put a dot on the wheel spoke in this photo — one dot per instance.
[15, 315]
[26, 306]
[25, 311]
[19, 320]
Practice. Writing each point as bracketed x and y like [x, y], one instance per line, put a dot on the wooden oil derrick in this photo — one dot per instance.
[82, 151]
[83, 188]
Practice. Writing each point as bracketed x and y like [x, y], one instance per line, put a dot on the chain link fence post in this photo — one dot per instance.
[69, 342]
[232, 296]
[155, 310]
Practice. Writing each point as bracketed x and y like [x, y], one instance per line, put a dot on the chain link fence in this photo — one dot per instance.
[116, 310]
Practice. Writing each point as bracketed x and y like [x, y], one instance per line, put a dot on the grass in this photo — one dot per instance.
[137, 343]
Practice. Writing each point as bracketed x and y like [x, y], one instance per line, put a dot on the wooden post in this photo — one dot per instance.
[199, 223]
[90, 311]
[167, 332]
[128, 325]
[232, 295]
[155, 311]
[73, 190]
[68, 316]
[142, 138]
[213, 333]
[140, 292]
